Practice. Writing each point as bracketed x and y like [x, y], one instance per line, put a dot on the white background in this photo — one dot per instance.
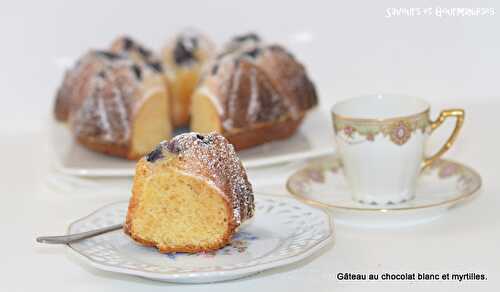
[349, 47]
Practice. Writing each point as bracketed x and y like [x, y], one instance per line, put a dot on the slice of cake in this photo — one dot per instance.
[189, 195]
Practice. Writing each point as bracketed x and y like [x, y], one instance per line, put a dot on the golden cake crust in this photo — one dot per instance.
[260, 93]
[263, 133]
[143, 171]
[124, 150]
[104, 122]
[116, 102]
[213, 162]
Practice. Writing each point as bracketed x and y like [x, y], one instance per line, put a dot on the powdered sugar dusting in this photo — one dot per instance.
[289, 77]
[211, 156]
[189, 47]
[103, 118]
[242, 42]
[254, 105]
[233, 99]
[111, 91]
[126, 46]
[258, 83]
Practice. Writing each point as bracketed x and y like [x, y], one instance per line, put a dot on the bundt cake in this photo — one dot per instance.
[252, 94]
[189, 195]
[117, 106]
[124, 101]
[184, 58]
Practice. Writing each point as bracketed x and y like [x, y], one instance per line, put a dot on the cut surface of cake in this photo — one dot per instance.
[190, 194]
[252, 94]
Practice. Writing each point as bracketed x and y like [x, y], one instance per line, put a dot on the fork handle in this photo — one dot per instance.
[65, 239]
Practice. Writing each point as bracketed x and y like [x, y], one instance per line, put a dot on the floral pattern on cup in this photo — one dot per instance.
[348, 131]
[399, 131]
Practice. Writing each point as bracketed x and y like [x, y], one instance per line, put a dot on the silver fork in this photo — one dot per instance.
[65, 239]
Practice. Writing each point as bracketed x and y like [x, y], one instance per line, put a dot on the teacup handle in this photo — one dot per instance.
[459, 114]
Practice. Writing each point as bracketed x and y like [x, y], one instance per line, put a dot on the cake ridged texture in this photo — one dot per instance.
[75, 86]
[255, 88]
[209, 159]
[252, 93]
[260, 84]
[247, 96]
[105, 113]
[102, 96]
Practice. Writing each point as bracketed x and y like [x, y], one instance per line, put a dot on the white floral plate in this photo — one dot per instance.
[282, 232]
[440, 187]
[309, 141]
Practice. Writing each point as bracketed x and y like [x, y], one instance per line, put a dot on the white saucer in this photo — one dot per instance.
[440, 187]
[282, 232]
[309, 141]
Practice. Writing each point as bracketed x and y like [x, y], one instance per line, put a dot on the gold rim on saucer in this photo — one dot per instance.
[304, 185]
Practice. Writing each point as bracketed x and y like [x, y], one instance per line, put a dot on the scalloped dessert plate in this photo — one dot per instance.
[440, 187]
[311, 140]
[283, 231]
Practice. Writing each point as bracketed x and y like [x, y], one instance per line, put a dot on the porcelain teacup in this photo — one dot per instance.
[381, 141]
